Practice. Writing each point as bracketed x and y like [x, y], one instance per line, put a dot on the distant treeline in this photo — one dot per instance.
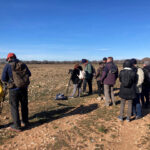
[3, 61]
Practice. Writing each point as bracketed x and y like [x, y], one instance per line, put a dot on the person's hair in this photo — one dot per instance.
[100, 63]
[76, 66]
[127, 63]
[110, 58]
[133, 61]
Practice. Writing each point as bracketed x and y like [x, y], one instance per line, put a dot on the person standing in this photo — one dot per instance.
[109, 77]
[104, 60]
[16, 74]
[89, 73]
[99, 83]
[77, 82]
[146, 84]
[128, 79]
[137, 109]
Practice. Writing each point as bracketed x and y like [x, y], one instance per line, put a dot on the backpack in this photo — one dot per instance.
[127, 80]
[93, 70]
[20, 74]
[81, 75]
[61, 97]
[147, 76]
[113, 69]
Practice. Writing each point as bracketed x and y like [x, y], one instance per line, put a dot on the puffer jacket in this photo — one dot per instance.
[140, 80]
[128, 93]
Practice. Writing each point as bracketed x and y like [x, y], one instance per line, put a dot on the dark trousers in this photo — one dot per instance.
[137, 110]
[16, 96]
[89, 81]
[100, 88]
[145, 95]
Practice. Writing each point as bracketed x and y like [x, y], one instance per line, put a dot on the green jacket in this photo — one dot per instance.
[89, 70]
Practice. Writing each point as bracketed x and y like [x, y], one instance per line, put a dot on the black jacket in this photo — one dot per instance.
[128, 93]
[146, 83]
[74, 77]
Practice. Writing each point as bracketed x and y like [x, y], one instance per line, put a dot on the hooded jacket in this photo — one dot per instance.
[128, 93]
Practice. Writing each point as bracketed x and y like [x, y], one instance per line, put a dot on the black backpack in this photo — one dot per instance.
[126, 80]
[147, 76]
[93, 70]
[113, 69]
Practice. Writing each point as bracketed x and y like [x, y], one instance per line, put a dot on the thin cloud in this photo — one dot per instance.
[103, 49]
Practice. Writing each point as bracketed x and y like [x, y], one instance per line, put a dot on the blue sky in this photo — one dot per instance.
[75, 29]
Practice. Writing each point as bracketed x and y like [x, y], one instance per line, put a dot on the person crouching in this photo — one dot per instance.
[128, 79]
[77, 82]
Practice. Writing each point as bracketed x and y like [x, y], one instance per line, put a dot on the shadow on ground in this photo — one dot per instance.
[48, 116]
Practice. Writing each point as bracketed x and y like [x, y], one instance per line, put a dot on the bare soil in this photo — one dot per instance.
[75, 124]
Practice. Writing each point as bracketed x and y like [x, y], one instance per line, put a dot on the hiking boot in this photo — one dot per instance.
[13, 128]
[90, 93]
[128, 119]
[120, 118]
[138, 117]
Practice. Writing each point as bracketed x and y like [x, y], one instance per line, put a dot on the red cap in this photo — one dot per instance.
[10, 55]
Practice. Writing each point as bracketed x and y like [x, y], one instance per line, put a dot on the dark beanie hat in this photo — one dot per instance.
[83, 61]
[104, 59]
[127, 63]
[133, 61]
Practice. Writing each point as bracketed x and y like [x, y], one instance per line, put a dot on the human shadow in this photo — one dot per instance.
[49, 116]
[5, 126]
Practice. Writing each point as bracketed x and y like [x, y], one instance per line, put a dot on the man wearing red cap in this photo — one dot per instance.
[17, 93]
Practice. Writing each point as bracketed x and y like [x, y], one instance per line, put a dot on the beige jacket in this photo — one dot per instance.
[140, 74]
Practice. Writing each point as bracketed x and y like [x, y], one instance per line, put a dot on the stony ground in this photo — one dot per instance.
[76, 124]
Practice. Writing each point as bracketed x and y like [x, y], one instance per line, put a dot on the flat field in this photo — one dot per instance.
[75, 124]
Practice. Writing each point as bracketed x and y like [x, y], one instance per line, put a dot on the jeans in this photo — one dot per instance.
[100, 88]
[109, 94]
[89, 81]
[137, 110]
[123, 101]
[16, 96]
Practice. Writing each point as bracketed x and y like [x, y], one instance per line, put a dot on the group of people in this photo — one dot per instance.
[134, 88]
[134, 84]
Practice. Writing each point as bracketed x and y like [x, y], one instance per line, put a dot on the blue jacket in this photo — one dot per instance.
[7, 72]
